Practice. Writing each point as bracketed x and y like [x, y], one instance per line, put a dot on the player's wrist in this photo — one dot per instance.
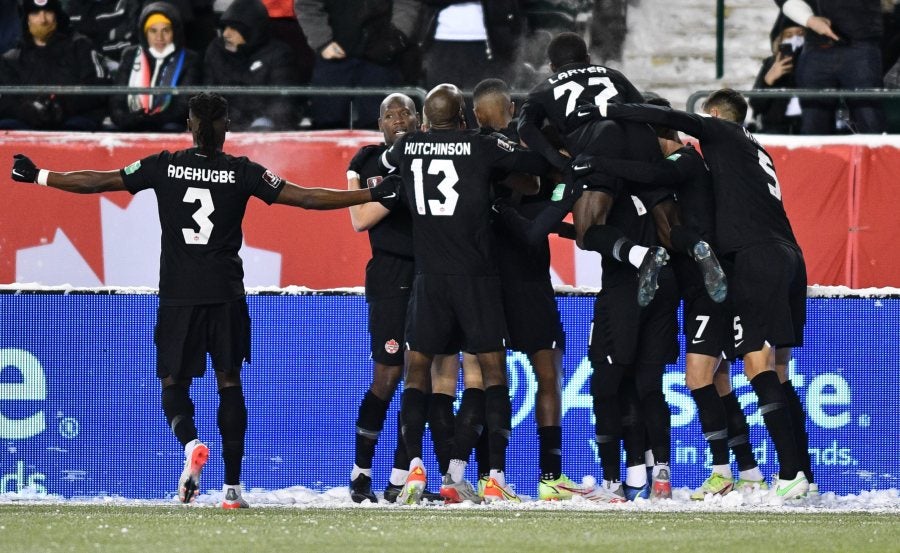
[42, 177]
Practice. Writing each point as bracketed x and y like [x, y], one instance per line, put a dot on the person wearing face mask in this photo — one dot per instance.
[49, 54]
[780, 115]
[246, 55]
[160, 60]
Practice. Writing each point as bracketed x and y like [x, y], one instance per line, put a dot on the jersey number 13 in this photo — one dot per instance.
[445, 187]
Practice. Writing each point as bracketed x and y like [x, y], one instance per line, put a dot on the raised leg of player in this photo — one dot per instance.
[179, 411]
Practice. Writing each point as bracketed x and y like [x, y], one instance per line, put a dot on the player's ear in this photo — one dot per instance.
[512, 109]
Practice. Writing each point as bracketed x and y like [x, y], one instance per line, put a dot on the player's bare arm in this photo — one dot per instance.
[79, 182]
[364, 216]
[329, 198]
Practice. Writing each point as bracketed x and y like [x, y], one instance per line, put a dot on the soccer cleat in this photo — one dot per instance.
[413, 487]
[494, 491]
[654, 260]
[233, 498]
[482, 483]
[196, 453]
[749, 486]
[607, 492]
[361, 489]
[661, 487]
[457, 492]
[391, 492]
[795, 488]
[560, 488]
[428, 495]
[634, 492]
[713, 275]
[716, 484]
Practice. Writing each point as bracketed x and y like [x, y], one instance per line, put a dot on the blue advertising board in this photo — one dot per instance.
[80, 408]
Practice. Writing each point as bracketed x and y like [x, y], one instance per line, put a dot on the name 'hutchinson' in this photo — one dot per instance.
[438, 149]
[197, 174]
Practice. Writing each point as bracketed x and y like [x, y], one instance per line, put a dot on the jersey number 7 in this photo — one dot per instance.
[436, 167]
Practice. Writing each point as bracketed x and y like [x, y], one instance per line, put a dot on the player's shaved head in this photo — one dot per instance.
[445, 107]
[728, 104]
[493, 105]
[398, 99]
[566, 48]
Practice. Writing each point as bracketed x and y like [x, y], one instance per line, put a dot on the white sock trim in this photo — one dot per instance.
[42, 177]
[636, 255]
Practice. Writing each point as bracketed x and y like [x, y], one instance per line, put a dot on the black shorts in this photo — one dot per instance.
[185, 334]
[387, 324]
[532, 316]
[452, 312]
[767, 285]
[623, 333]
[708, 326]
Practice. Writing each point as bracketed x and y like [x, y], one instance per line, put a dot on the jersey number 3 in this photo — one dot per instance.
[436, 167]
[201, 216]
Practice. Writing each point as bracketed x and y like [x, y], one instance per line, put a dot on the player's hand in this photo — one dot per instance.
[387, 191]
[502, 204]
[567, 190]
[24, 170]
[822, 25]
[586, 112]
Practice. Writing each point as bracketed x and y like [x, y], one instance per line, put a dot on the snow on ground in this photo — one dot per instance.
[299, 497]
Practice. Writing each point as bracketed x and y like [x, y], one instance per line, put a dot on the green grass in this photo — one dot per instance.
[49, 528]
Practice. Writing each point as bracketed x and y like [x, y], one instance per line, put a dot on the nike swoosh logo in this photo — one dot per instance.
[389, 196]
[697, 341]
[580, 167]
[583, 113]
[738, 344]
[16, 173]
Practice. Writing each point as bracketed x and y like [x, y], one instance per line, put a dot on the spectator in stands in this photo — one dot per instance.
[10, 24]
[359, 43]
[842, 50]
[109, 24]
[780, 115]
[160, 60]
[467, 42]
[50, 54]
[283, 25]
[245, 55]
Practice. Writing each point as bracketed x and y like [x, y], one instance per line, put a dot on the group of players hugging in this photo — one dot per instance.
[458, 221]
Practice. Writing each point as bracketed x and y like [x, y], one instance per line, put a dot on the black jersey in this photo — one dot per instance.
[556, 97]
[201, 203]
[747, 193]
[447, 176]
[393, 234]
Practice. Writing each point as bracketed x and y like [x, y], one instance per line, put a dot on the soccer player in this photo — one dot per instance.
[768, 279]
[202, 194]
[529, 302]
[456, 296]
[707, 323]
[576, 80]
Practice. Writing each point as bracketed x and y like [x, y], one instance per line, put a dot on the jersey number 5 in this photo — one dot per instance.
[766, 163]
[574, 90]
[203, 196]
[436, 167]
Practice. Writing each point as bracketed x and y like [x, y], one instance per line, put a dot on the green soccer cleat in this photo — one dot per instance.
[560, 488]
[482, 484]
[795, 488]
[716, 484]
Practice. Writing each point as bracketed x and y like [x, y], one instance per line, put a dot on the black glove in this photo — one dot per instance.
[568, 190]
[584, 113]
[24, 170]
[502, 204]
[387, 191]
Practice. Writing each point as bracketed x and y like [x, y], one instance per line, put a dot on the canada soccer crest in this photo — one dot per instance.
[391, 346]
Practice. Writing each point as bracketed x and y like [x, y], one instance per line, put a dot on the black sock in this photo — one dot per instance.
[440, 421]
[179, 411]
[232, 419]
[608, 241]
[401, 461]
[483, 452]
[774, 409]
[550, 445]
[608, 418]
[369, 423]
[634, 431]
[658, 420]
[469, 423]
[798, 421]
[683, 239]
[713, 422]
[498, 416]
[738, 432]
[412, 417]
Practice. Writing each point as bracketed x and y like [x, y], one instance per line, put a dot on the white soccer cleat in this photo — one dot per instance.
[233, 498]
[786, 490]
[196, 453]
